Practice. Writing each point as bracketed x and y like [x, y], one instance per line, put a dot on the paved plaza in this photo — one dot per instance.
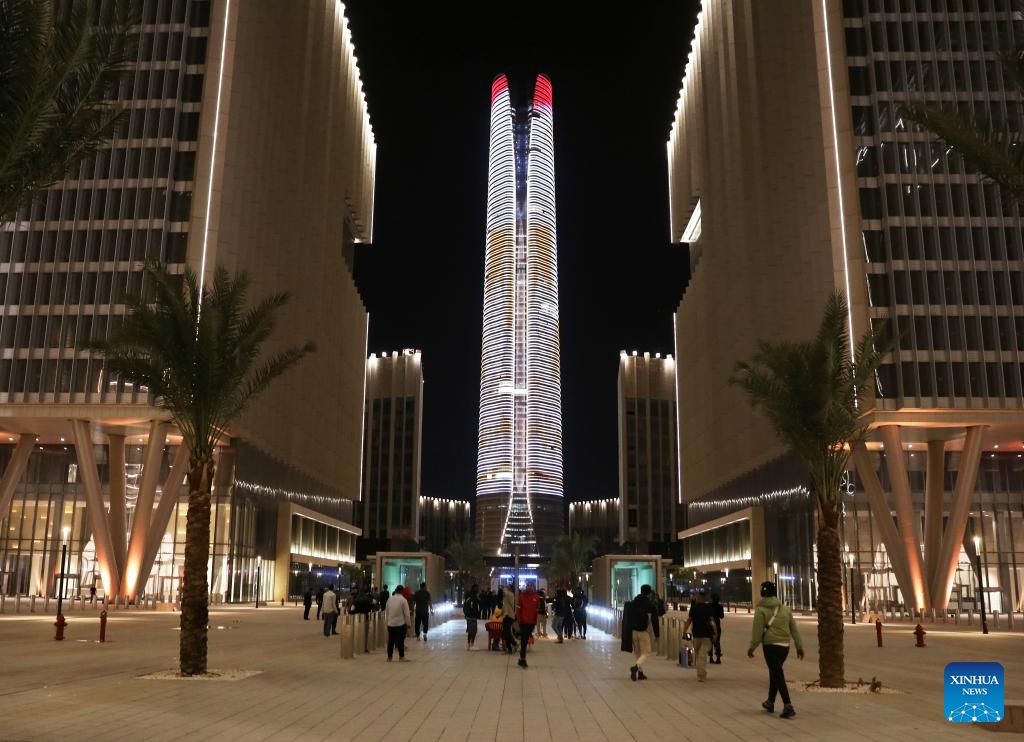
[580, 690]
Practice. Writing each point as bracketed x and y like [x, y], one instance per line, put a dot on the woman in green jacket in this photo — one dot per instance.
[774, 629]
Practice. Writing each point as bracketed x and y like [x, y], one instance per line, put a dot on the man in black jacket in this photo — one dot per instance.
[640, 617]
[471, 610]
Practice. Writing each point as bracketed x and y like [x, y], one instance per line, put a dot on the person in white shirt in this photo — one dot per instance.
[398, 618]
[330, 611]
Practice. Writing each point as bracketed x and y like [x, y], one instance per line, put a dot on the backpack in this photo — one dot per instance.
[638, 610]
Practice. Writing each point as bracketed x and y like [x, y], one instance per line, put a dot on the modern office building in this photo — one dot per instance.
[597, 520]
[248, 145]
[650, 510]
[793, 173]
[389, 512]
[443, 521]
[519, 464]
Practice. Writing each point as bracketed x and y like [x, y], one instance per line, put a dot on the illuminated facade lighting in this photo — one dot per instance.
[519, 464]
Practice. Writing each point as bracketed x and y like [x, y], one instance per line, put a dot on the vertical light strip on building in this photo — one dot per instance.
[839, 175]
[213, 148]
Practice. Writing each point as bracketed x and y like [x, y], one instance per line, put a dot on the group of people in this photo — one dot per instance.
[570, 614]
[414, 619]
[774, 630]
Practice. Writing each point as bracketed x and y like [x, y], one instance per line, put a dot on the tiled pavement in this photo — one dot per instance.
[80, 690]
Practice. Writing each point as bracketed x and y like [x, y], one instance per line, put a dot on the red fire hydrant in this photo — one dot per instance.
[60, 623]
[103, 625]
[919, 632]
[878, 630]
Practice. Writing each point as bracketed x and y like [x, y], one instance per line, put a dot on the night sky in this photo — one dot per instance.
[427, 71]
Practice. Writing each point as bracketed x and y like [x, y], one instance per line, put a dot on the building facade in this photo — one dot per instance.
[519, 461]
[225, 160]
[650, 511]
[840, 191]
[390, 505]
[443, 521]
[597, 520]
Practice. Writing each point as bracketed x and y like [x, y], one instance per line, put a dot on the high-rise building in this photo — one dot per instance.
[597, 520]
[650, 512]
[793, 172]
[248, 145]
[389, 513]
[442, 521]
[519, 463]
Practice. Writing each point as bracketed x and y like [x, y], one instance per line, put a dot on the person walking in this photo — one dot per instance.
[717, 614]
[423, 607]
[471, 610]
[579, 613]
[639, 623]
[398, 618]
[526, 615]
[560, 606]
[775, 629]
[508, 612]
[382, 598]
[542, 614]
[319, 602]
[307, 603]
[701, 618]
[330, 611]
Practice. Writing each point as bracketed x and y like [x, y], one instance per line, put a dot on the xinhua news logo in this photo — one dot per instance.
[974, 691]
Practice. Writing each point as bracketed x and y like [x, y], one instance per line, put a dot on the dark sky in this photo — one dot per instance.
[427, 71]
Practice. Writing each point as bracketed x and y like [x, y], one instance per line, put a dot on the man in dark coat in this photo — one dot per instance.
[307, 603]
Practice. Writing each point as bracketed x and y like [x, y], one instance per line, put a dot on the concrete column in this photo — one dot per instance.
[963, 492]
[158, 526]
[95, 509]
[882, 515]
[118, 512]
[141, 524]
[897, 466]
[934, 487]
[15, 471]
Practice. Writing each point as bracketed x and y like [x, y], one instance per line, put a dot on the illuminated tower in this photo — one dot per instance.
[519, 460]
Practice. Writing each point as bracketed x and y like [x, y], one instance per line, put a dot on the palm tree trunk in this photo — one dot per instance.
[830, 608]
[195, 590]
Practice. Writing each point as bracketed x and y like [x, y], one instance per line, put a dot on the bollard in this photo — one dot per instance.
[345, 634]
[1009, 618]
[3, 602]
[970, 617]
[103, 626]
[995, 619]
[919, 632]
[382, 631]
[32, 605]
[17, 603]
[878, 631]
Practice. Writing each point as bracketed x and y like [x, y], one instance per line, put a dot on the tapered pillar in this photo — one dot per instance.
[934, 488]
[95, 510]
[963, 493]
[908, 531]
[118, 512]
[158, 526]
[144, 502]
[15, 471]
[882, 515]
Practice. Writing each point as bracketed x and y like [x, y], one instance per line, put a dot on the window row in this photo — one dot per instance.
[197, 12]
[936, 76]
[907, 158]
[160, 46]
[54, 376]
[940, 199]
[979, 380]
[946, 288]
[889, 117]
[958, 333]
[116, 203]
[90, 246]
[858, 8]
[985, 33]
[161, 85]
[69, 289]
[56, 331]
[943, 243]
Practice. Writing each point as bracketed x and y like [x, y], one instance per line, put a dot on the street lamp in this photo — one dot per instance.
[61, 623]
[259, 563]
[981, 586]
[853, 592]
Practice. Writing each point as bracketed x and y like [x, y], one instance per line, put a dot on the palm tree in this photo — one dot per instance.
[59, 70]
[468, 558]
[813, 393]
[993, 149]
[196, 350]
[569, 557]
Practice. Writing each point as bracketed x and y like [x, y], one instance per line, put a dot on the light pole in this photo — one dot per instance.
[853, 592]
[259, 563]
[981, 586]
[61, 623]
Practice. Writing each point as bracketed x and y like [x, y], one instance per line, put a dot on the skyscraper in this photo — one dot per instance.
[519, 459]
[792, 184]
